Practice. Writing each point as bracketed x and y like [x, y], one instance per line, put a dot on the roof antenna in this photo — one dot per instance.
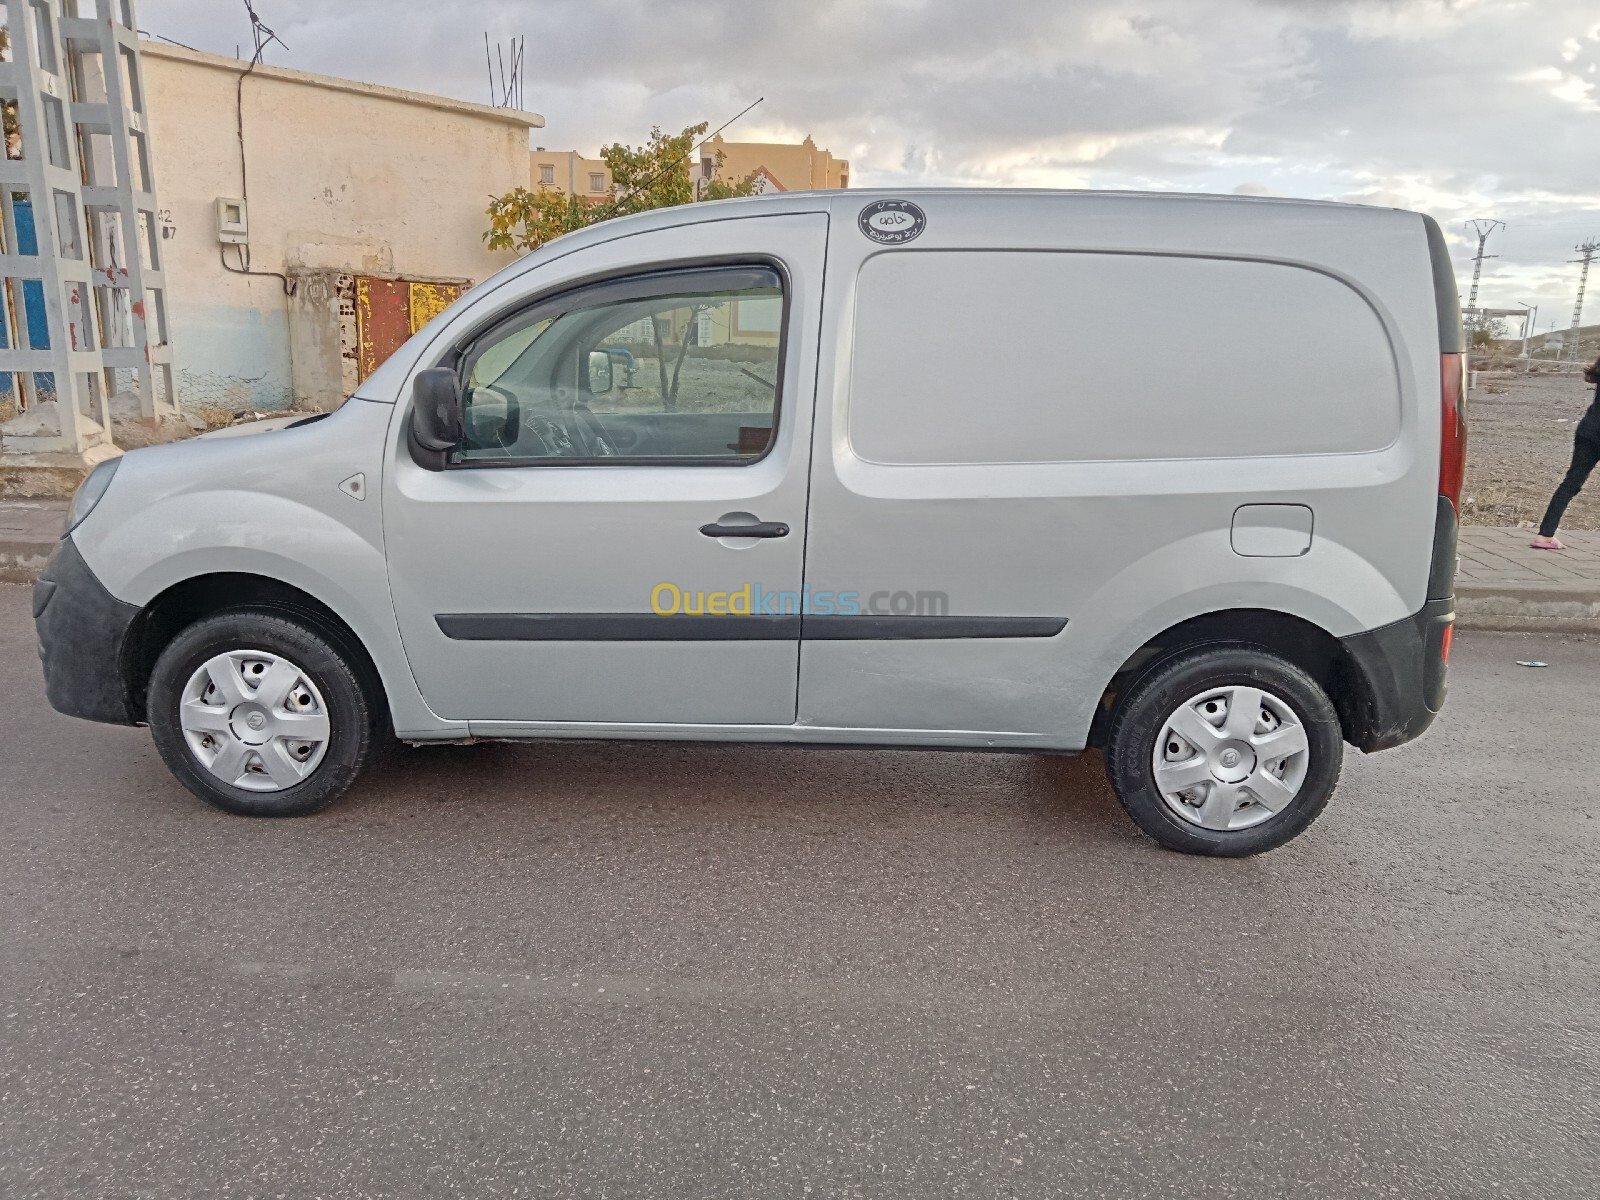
[506, 90]
[263, 36]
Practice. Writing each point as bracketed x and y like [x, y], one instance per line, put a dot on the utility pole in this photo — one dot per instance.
[1483, 227]
[1588, 249]
[1530, 318]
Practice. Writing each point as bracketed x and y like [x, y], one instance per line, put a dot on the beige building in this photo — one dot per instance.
[350, 216]
[777, 167]
[364, 202]
[570, 172]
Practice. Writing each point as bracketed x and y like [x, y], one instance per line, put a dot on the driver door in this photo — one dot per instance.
[580, 558]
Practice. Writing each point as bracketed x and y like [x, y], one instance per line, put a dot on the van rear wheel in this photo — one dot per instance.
[260, 714]
[1228, 750]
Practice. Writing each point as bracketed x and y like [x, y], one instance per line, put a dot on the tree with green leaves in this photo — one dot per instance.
[525, 220]
[656, 175]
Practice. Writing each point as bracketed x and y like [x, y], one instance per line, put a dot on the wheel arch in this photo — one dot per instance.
[179, 606]
[1302, 642]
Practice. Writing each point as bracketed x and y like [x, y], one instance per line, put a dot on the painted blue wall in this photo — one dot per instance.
[231, 357]
[32, 304]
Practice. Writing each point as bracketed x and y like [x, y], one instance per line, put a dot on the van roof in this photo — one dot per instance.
[831, 199]
[1003, 195]
[812, 201]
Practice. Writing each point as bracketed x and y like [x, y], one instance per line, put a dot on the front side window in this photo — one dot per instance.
[680, 367]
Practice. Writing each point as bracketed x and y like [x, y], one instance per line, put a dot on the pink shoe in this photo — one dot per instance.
[1547, 543]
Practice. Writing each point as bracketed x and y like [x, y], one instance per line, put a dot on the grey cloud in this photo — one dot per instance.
[1432, 101]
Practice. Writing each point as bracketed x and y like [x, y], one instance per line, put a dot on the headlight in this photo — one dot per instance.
[89, 493]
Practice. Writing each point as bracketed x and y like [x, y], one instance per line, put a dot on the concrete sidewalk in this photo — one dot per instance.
[29, 530]
[1502, 584]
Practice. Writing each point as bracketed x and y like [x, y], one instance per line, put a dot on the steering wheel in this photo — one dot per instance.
[591, 434]
[573, 433]
[567, 435]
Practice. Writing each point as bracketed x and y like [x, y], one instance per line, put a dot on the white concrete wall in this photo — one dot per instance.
[342, 175]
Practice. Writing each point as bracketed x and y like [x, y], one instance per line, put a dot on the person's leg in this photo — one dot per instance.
[1585, 454]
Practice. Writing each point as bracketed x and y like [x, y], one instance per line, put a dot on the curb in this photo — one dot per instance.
[21, 562]
[1528, 607]
[29, 530]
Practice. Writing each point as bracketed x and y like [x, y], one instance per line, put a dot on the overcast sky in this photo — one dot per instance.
[1459, 108]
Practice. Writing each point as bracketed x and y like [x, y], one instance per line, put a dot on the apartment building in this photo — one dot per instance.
[570, 172]
[776, 166]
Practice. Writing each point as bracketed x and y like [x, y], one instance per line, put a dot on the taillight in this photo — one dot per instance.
[1445, 642]
[1452, 427]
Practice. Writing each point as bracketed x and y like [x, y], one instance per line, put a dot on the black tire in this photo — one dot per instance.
[353, 709]
[1158, 694]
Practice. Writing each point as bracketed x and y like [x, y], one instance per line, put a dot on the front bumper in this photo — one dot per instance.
[82, 629]
[1401, 684]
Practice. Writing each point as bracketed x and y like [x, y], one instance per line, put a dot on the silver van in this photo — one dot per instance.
[1173, 476]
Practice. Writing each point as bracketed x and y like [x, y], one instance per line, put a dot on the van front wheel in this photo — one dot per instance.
[260, 714]
[1228, 750]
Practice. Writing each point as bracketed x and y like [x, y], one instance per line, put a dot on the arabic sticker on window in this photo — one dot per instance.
[891, 222]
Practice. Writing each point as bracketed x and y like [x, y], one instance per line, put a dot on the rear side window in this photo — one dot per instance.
[659, 369]
[1021, 357]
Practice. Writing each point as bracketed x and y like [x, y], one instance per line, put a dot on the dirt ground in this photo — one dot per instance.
[1519, 442]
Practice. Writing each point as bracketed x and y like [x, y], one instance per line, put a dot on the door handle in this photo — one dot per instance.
[762, 529]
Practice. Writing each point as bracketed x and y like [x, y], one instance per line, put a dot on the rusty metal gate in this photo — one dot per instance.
[389, 311]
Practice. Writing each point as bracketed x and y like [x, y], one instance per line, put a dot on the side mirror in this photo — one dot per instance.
[436, 410]
[600, 380]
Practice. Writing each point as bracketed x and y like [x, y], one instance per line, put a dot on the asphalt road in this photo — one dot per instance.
[619, 970]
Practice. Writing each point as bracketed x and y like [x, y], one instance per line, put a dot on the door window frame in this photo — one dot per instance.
[699, 275]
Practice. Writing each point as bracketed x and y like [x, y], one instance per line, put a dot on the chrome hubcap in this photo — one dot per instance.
[1231, 758]
[255, 720]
